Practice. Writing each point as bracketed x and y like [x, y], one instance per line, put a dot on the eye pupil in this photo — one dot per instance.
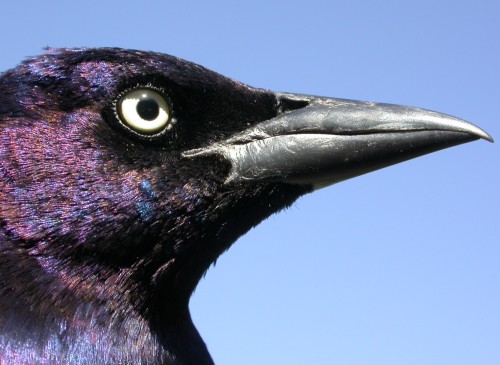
[148, 109]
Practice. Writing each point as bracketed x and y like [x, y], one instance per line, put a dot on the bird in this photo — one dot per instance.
[125, 174]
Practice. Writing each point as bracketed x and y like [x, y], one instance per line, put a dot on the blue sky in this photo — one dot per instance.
[401, 266]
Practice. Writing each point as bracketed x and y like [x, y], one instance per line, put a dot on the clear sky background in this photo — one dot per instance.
[400, 266]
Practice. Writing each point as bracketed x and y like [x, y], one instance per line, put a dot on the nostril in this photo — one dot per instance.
[286, 104]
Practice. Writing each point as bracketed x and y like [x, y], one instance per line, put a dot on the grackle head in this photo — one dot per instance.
[125, 174]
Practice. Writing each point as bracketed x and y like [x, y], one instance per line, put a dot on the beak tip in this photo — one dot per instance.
[480, 133]
[450, 123]
[487, 137]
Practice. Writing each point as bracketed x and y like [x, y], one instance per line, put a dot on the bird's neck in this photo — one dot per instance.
[55, 323]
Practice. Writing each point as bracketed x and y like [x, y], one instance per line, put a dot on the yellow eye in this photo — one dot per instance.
[144, 110]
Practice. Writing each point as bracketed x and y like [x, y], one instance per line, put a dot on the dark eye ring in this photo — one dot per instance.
[144, 110]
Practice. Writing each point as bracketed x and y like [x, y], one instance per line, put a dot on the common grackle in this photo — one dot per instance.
[125, 174]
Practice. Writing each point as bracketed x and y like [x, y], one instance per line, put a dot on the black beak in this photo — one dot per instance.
[330, 140]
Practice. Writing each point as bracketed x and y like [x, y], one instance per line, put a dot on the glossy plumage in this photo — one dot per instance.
[105, 231]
